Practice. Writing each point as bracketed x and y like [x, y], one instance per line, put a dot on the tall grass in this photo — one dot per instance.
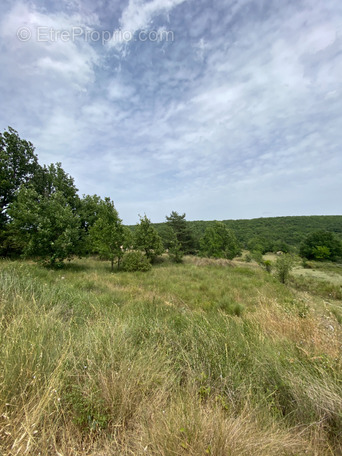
[186, 359]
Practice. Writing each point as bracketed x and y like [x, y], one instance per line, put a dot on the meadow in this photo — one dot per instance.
[208, 357]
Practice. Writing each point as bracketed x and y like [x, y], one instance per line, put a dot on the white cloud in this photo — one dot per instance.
[239, 116]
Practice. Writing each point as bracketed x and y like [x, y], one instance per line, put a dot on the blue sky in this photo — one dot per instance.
[236, 113]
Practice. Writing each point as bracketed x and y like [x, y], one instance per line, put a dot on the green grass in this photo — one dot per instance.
[185, 359]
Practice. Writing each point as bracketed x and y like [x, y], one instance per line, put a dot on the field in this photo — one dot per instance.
[202, 358]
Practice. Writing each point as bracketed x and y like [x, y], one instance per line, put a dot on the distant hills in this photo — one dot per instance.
[291, 230]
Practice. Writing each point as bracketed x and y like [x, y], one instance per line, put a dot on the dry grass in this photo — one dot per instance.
[94, 363]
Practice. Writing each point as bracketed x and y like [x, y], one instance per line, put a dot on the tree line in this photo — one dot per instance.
[43, 217]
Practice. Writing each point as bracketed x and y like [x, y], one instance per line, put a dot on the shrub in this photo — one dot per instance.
[257, 256]
[135, 261]
[268, 265]
[283, 267]
[248, 258]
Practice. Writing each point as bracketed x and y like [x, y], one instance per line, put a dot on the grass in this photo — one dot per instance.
[200, 358]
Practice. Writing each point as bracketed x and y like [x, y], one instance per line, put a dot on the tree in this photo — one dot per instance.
[258, 244]
[219, 242]
[89, 209]
[283, 267]
[108, 234]
[18, 165]
[321, 245]
[147, 239]
[182, 231]
[53, 178]
[45, 227]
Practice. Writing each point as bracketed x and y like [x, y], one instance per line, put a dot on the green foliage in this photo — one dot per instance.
[90, 206]
[268, 265]
[182, 231]
[256, 255]
[276, 233]
[88, 210]
[135, 261]
[259, 244]
[18, 165]
[248, 258]
[108, 234]
[283, 267]
[321, 245]
[175, 252]
[44, 226]
[51, 179]
[171, 243]
[219, 242]
[147, 239]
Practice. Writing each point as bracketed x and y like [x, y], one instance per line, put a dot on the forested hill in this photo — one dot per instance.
[290, 230]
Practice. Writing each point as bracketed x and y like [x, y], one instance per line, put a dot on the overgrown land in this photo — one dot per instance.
[205, 357]
[181, 338]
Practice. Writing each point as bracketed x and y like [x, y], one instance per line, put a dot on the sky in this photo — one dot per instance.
[222, 109]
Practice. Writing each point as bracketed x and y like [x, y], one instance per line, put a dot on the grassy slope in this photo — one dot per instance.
[195, 359]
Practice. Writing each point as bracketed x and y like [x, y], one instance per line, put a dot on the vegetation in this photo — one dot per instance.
[219, 242]
[42, 216]
[135, 261]
[147, 239]
[283, 267]
[182, 231]
[108, 234]
[275, 233]
[320, 246]
[206, 357]
[18, 165]
[197, 355]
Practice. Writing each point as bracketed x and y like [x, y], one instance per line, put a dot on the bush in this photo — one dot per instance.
[283, 267]
[257, 256]
[268, 265]
[135, 261]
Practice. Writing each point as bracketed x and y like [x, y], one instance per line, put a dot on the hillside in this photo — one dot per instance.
[291, 230]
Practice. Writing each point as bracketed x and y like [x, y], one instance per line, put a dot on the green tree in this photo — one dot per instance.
[283, 266]
[135, 261]
[108, 234]
[258, 244]
[51, 179]
[219, 242]
[321, 245]
[182, 231]
[88, 210]
[174, 247]
[45, 227]
[18, 164]
[147, 239]
[90, 206]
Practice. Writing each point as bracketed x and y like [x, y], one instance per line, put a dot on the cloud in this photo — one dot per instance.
[139, 16]
[237, 117]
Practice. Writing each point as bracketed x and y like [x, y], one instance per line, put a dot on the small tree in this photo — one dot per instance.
[219, 242]
[108, 234]
[283, 267]
[182, 231]
[147, 239]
